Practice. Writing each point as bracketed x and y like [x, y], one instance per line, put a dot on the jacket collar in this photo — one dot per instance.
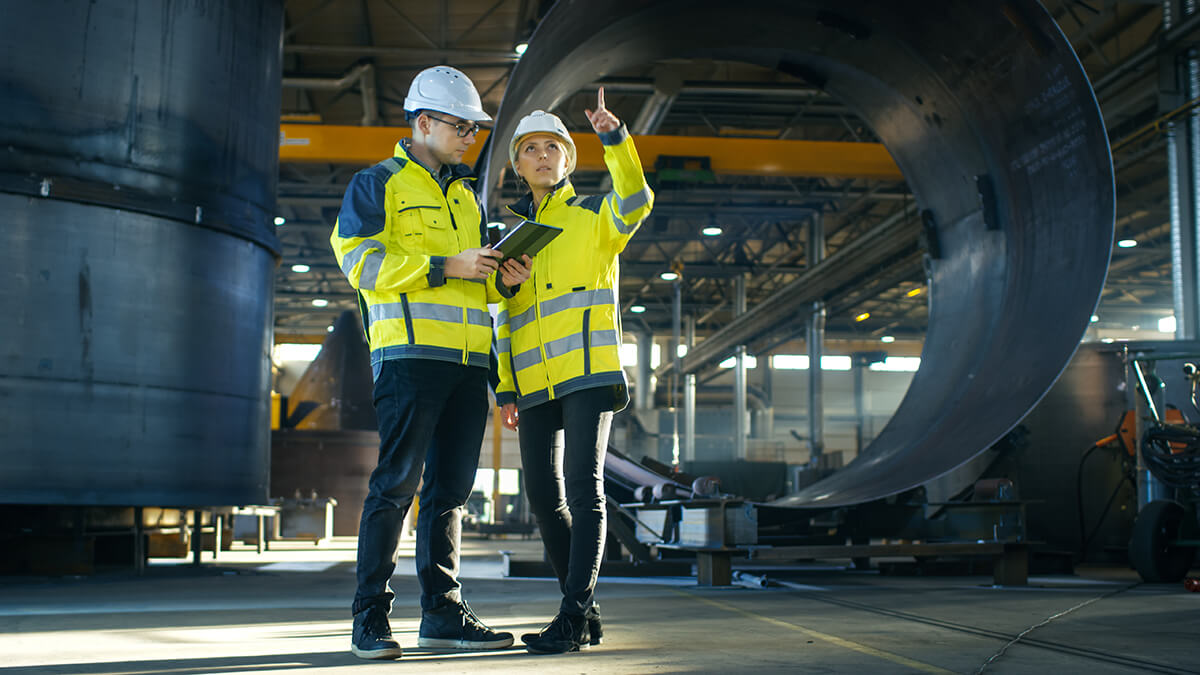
[446, 175]
[525, 208]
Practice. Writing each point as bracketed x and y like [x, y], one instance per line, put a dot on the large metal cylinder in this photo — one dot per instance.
[138, 162]
[985, 109]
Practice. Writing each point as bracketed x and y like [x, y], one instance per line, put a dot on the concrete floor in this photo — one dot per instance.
[287, 612]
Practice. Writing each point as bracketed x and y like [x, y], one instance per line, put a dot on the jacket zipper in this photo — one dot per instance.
[587, 341]
[466, 354]
[537, 303]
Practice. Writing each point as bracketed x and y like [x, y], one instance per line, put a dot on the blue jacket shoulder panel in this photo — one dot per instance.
[362, 213]
[591, 203]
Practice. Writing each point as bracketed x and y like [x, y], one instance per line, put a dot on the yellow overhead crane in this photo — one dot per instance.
[333, 144]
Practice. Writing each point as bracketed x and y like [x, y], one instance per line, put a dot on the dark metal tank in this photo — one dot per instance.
[138, 162]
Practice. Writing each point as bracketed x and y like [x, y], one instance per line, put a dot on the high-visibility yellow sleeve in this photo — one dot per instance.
[630, 201]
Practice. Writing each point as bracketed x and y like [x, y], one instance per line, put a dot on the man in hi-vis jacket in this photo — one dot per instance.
[409, 238]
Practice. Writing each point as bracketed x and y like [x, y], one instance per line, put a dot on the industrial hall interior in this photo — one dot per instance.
[617, 336]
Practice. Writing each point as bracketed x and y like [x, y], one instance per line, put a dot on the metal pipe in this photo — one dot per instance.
[1145, 406]
[652, 113]
[363, 73]
[331, 83]
[706, 88]
[416, 55]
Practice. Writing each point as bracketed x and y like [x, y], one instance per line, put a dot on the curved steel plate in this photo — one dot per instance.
[986, 110]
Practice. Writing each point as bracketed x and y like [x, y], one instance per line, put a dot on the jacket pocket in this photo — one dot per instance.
[423, 228]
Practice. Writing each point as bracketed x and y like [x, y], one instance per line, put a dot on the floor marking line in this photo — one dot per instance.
[824, 637]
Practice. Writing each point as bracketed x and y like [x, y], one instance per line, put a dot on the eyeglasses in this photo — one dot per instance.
[462, 128]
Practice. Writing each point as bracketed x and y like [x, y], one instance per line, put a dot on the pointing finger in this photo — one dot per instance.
[600, 99]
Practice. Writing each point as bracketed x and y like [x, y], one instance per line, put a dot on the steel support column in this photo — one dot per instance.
[860, 409]
[689, 397]
[676, 320]
[739, 374]
[1179, 82]
[643, 392]
[816, 348]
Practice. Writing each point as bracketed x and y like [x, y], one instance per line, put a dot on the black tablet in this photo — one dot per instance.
[527, 238]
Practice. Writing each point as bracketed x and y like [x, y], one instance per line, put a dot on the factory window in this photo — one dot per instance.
[629, 352]
[898, 364]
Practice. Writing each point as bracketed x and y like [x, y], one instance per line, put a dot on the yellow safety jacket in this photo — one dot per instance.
[397, 226]
[561, 330]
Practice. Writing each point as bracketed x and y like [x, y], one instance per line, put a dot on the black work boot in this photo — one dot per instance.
[455, 626]
[595, 631]
[566, 633]
[372, 638]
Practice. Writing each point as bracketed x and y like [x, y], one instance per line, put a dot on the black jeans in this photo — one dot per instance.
[563, 444]
[432, 413]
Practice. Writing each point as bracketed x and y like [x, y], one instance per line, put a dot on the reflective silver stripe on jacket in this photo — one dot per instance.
[521, 320]
[565, 345]
[631, 203]
[370, 271]
[527, 358]
[624, 207]
[600, 296]
[478, 317]
[601, 337]
[418, 310]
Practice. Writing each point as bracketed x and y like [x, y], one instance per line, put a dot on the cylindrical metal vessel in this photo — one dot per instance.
[138, 162]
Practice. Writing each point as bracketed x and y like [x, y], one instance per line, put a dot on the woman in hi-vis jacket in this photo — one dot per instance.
[558, 341]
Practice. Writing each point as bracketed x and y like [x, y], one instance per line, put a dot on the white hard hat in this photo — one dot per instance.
[447, 90]
[542, 122]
